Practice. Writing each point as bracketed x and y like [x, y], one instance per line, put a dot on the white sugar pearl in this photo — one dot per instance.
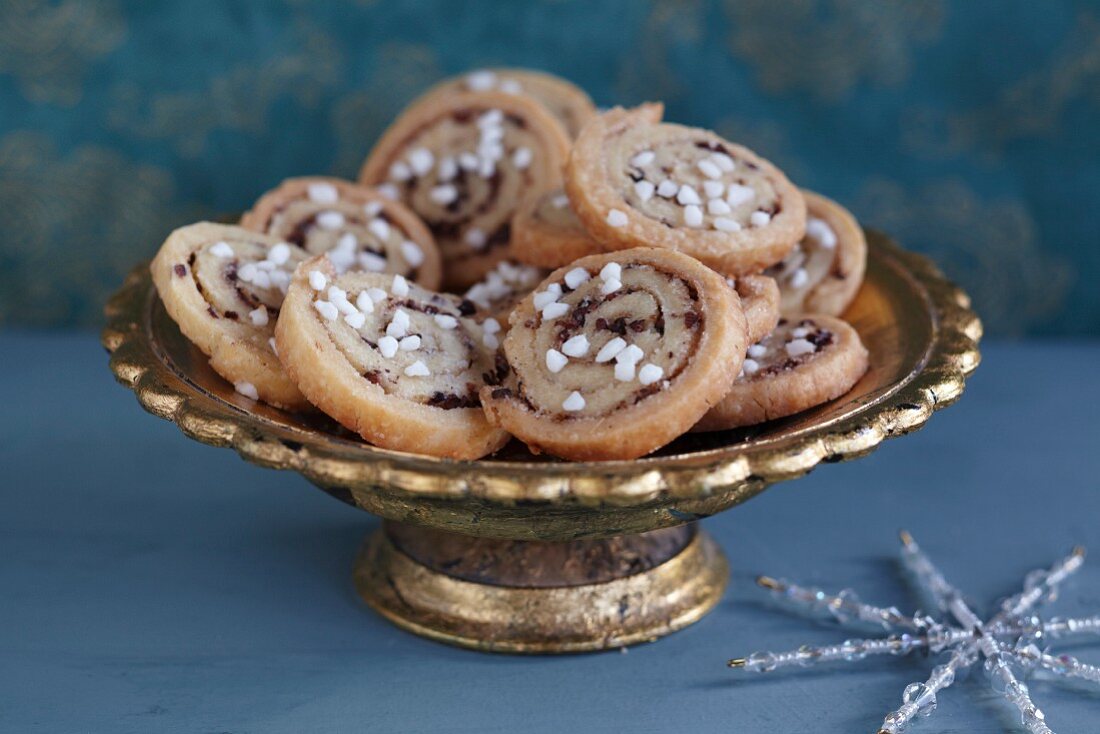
[510, 86]
[575, 277]
[693, 216]
[799, 332]
[259, 316]
[388, 190]
[468, 161]
[372, 262]
[820, 230]
[724, 224]
[709, 168]
[610, 350]
[443, 321]
[480, 81]
[279, 253]
[610, 286]
[750, 366]
[632, 354]
[448, 168]
[543, 299]
[273, 346]
[400, 172]
[421, 160]
[644, 189]
[323, 192]
[396, 329]
[409, 343]
[736, 194]
[388, 346]
[576, 346]
[723, 161]
[475, 238]
[668, 189]
[611, 271]
[417, 369]
[444, 194]
[650, 373]
[326, 309]
[247, 389]
[330, 220]
[555, 310]
[687, 195]
[759, 218]
[713, 189]
[490, 340]
[624, 371]
[380, 228]
[757, 351]
[372, 209]
[573, 403]
[643, 159]
[560, 201]
[317, 280]
[521, 158]
[798, 347]
[400, 286]
[800, 278]
[490, 326]
[221, 249]
[355, 320]
[377, 294]
[717, 207]
[339, 298]
[555, 360]
[616, 218]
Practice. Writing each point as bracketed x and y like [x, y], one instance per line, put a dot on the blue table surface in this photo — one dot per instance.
[150, 583]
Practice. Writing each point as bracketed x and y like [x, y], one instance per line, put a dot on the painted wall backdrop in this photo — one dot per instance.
[969, 129]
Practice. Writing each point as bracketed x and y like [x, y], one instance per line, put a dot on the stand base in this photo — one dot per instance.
[540, 597]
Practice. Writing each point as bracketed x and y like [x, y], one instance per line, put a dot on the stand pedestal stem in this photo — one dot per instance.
[540, 597]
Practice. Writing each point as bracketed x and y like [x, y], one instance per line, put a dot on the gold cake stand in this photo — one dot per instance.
[523, 553]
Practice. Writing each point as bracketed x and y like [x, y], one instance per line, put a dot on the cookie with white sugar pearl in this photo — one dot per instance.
[358, 227]
[565, 100]
[397, 364]
[546, 233]
[615, 355]
[635, 181]
[465, 162]
[825, 269]
[224, 288]
[503, 287]
[806, 361]
[760, 302]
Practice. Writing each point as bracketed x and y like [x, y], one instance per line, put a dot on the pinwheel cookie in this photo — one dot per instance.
[465, 162]
[617, 354]
[224, 287]
[634, 181]
[358, 227]
[823, 271]
[805, 362]
[503, 287]
[399, 365]
[565, 100]
[760, 302]
[546, 233]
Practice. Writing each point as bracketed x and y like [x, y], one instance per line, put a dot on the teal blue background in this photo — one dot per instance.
[967, 129]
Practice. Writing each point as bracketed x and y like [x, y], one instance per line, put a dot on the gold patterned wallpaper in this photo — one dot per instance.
[966, 128]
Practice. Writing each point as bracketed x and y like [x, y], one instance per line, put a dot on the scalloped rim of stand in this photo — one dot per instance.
[739, 471]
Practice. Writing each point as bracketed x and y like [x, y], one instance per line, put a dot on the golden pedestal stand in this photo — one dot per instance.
[520, 553]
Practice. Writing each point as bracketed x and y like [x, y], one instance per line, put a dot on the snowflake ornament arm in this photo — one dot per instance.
[966, 643]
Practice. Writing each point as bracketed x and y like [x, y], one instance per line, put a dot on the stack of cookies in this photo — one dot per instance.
[512, 262]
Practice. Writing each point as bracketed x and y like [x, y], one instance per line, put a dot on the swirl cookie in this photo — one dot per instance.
[399, 365]
[760, 303]
[503, 287]
[634, 181]
[224, 287]
[565, 100]
[464, 163]
[804, 362]
[358, 227]
[617, 354]
[546, 233]
[823, 271]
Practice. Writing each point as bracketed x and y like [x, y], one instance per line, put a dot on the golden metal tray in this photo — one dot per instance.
[523, 553]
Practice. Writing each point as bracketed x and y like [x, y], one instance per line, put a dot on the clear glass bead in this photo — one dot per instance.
[839, 608]
[944, 674]
[806, 655]
[763, 662]
[1016, 690]
[853, 650]
[1031, 716]
[894, 722]
[920, 696]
